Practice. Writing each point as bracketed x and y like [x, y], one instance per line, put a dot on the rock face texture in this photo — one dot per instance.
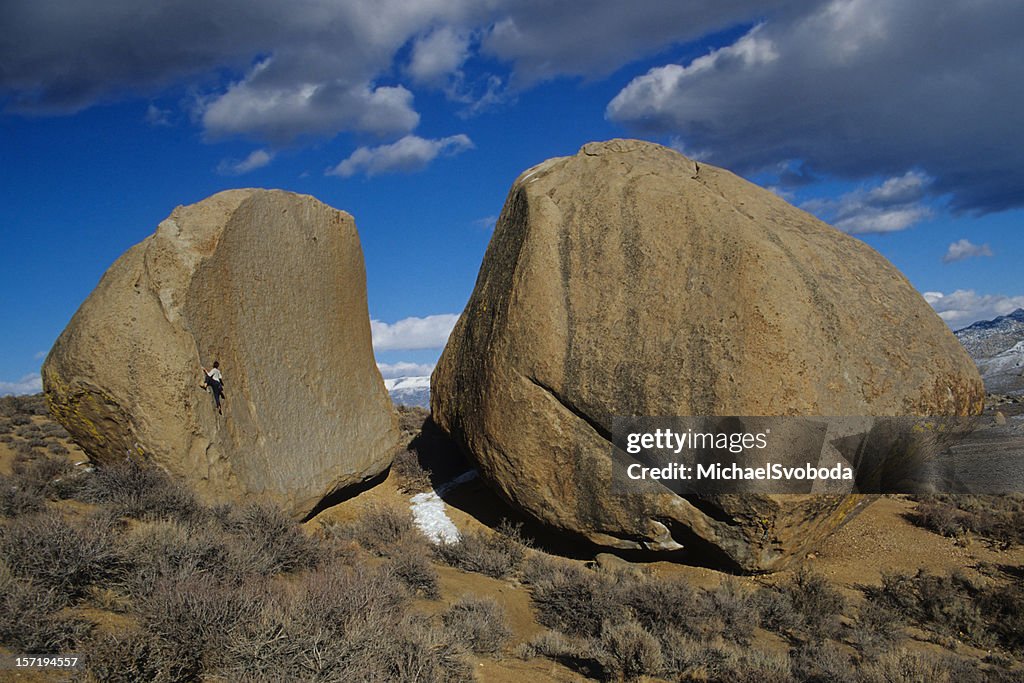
[628, 280]
[271, 284]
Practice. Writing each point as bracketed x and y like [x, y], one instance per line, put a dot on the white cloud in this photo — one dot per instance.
[546, 39]
[310, 67]
[29, 384]
[891, 206]
[256, 159]
[408, 334]
[438, 54]
[965, 306]
[964, 249]
[856, 89]
[283, 112]
[39, 355]
[411, 153]
[848, 88]
[155, 116]
[404, 369]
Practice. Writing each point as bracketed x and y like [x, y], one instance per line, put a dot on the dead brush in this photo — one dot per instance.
[478, 623]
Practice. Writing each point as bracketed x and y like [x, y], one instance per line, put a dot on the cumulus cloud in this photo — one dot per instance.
[256, 159]
[404, 369]
[964, 249]
[301, 67]
[438, 54]
[852, 88]
[282, 112]
[889, 207]
[312, 68]
[411, 153]
[591, 37]
[965, 306]
[856, 88]
[408, 334]
[29, 384]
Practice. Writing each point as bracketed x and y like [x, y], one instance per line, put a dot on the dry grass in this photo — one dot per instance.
[1000, 518]
[497, 554]
[478, 623]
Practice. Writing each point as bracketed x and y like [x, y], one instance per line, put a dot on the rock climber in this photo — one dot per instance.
[215, 381]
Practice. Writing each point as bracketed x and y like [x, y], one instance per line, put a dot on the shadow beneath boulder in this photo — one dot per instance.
[345, 493]
[442, 458]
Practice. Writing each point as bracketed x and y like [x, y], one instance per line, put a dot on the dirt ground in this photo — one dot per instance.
[882, 538]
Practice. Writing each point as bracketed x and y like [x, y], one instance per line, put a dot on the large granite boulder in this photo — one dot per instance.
[272, 284]
[628, 280]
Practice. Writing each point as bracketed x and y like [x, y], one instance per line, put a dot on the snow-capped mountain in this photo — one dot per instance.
[997, 346]
[409, 391]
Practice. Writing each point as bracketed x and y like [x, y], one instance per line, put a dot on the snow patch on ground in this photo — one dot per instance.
[428, 511]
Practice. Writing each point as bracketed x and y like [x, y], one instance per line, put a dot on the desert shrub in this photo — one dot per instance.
[411, 418]
[30, 404]
[478, 623]
[381, 529]
[999, 517]
[413, 568]
[340, 624]
[417, 651]
[717, 660]
[734, 608]
[910, 667]
[821, 663]
[494, 554]
[876, 629]
[665, 604]
[193, 620]
[20, 420]
[126, 657]
[56, 449]
[18, 499]
[47, 477]
[412, 477]
[756, 666]
[268, 541]
[54, 429]
[339, 598]
[817, 602]
[629, 651]
[166, 549]
[775, 610]
[577, 601]
[576, 653]
[31, 620]
[142, 491]
[949, 604]
[56, 555]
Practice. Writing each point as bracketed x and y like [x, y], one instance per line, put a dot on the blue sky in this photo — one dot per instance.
[897, 122]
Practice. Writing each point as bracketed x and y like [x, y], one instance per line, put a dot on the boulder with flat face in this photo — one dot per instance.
[272, 285]
[628, 280]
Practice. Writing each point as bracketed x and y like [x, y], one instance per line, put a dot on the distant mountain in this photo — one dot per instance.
[409, 391]
[997, 346]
